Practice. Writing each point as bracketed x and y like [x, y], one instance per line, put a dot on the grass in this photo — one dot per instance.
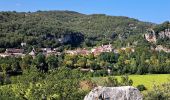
[147, 80]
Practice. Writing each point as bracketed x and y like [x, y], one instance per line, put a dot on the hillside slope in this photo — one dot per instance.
[46, 28]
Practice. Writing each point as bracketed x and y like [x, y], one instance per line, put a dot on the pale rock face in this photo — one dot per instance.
[114, 93]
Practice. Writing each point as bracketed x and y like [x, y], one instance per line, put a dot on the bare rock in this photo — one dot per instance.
[114, 93]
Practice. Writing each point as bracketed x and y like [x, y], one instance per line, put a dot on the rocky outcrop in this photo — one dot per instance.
[72, 38]
[114, 93]
[161, 48]
[150, 36]
[164, 34]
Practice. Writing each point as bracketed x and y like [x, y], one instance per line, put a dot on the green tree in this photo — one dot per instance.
[81, 62]
[52, 61]
[40, 63]
[26, 62]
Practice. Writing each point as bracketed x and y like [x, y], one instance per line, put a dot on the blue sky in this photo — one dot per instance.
[156, 11]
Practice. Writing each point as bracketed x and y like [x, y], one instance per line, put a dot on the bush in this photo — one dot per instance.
[111, 82]
[159, 92]
[125, 81]
[100, 73]
[141, 87]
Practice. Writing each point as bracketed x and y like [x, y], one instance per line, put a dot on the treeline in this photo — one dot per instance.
[142, 61]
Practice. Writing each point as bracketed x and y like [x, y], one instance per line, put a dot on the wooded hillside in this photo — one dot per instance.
[48, 28]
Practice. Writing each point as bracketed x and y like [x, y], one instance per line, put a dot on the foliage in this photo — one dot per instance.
[162, 27]
[141, 87]
[159, 92]
[113, 81]
[58, 77]
[57, 28]
[61, 84]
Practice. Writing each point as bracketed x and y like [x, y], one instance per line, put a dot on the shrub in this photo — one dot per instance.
[111, 82]
[99, 73]
[125, 81]
[159, 92]
[141, 87]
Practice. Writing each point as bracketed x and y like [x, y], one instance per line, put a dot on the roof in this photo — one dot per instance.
[11, 50]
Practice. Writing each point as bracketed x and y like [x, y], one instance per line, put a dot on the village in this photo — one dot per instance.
[13, 52]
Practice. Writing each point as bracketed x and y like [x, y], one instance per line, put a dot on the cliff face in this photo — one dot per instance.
[161, 48]
[164, 34]
[150, 36]
[73, 39]
[161, 39]
[114, 93]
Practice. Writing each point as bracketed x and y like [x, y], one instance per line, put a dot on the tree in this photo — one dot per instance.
[4, 68]
[26, 62]
[107, 57]
[111, 82]
[91, 64]
[142, 68]
[52, 61]
[15, 66]
[120, 65]
[81, 62]
[133, 66]
[70, 61]
[40, 63]
[125, 81]
[154, 63]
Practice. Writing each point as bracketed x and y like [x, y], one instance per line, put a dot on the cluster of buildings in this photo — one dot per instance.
[79, 51]
[12, 52]
[95, 50]
[49, 51]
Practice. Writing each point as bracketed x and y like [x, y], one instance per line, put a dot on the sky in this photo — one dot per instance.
[156, 11]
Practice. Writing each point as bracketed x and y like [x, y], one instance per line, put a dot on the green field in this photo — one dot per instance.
[147, 80]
